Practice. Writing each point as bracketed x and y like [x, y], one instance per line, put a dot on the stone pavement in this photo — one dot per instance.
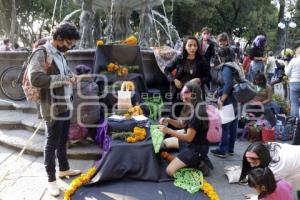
[27, 178]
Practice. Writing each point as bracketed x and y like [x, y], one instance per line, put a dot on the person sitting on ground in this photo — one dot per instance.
[263, 181]
[263, 97]
[282, 159]
[189, 65]
[193, 144]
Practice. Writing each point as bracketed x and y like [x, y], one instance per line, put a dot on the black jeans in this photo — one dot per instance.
[56, 142]
[296, 140]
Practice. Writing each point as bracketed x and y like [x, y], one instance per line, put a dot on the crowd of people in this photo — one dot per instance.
[272, 169]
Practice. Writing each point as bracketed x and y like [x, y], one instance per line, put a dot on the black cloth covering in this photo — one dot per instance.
[134, 171]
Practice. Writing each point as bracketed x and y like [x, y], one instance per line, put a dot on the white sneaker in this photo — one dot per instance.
[70, 172]
[53, 188]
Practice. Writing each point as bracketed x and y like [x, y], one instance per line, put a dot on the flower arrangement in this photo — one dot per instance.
[282, 103]
[100, 42]
[139, 134]
[209, 190]
[78, 182]
[128, 86]
[115, 68]
[133, 111]
[131, 40]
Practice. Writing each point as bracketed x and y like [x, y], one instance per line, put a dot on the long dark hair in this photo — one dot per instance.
[184, 51]
[259, 177]
[198, 105]
[260, 80]
[225, 54]
[263, 153]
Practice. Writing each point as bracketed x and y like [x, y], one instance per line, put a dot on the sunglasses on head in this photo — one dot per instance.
[252, 155]
[252, 158]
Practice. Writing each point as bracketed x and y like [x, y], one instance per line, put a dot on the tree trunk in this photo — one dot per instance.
[280, 32]
[13, 21]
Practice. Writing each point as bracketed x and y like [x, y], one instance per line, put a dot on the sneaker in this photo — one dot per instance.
[231, 153]
[53, 188]
[70, 172]
[218, 153]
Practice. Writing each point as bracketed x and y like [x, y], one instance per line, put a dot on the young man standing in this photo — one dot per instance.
[52, 75]
[207, 49]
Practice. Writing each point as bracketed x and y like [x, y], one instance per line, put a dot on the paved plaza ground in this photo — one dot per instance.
[27, 178]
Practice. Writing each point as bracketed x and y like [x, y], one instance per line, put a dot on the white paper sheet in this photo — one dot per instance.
[140, 118]
[117, 117]
[227, 114]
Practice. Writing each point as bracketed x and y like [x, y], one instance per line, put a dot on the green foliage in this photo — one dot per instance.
[282, 103]
[30, 12]
[294, 33]
[239, 18]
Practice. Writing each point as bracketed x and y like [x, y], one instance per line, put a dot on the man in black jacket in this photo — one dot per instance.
[207, 48]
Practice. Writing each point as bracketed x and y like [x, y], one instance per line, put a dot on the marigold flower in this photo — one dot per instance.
[131, 40]
[124, 71]
[100, 42]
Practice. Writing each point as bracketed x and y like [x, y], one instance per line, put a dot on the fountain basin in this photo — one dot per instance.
[154, 78]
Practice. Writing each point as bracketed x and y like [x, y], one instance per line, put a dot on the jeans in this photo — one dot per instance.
[294, 98]
[269, 77]
[296, 140]
[255, 67]
[56, 142]
[229, 132]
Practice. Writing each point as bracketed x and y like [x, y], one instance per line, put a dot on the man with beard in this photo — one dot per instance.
[48, 70]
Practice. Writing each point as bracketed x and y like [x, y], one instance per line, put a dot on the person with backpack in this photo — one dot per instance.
[225, 80]
[193, 144]
[48, 71]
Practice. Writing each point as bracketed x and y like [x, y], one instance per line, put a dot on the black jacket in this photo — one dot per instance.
[201, 69]
[210, 51]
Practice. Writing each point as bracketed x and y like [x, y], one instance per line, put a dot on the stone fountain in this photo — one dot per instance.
[118, 13]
